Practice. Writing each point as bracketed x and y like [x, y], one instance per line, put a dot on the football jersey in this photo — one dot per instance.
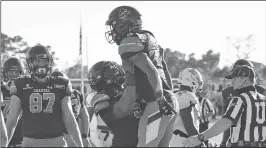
[77, 102]
[41, 105]
[187, 99]
[101, 134]
[144, 41]
[125, 130]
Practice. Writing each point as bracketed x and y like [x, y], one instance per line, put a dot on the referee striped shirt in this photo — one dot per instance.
[205, 107]
[247, 111]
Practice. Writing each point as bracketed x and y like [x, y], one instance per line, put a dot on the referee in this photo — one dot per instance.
[245, 112]
[228, 92]
[206, 111]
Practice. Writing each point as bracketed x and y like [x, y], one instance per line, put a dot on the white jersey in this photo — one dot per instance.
[101, 135]
[185, 99]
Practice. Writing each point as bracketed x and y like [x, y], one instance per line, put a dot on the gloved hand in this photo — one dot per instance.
[164, 106]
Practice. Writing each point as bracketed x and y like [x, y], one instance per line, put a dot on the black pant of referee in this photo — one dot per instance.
[203, 127]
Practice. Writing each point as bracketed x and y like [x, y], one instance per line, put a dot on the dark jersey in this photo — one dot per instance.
[5, 106]
[125, 130]
[77, 102]
[41, 105]
[229, 92]
[146, 43]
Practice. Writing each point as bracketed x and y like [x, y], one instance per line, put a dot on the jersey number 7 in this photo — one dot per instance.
[36, 102]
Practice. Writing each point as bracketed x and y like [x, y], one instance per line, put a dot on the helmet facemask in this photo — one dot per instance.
[117, 30]
[109, 78]
[40, 66]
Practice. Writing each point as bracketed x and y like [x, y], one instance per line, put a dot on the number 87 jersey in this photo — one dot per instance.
[41, 105]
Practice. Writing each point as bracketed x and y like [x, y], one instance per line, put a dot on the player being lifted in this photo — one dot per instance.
[115, 102]
[187, 121]
[80, 113]
[12, 68]
[153, 82]
[44, 102]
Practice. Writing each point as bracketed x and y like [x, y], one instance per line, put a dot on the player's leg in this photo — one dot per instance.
[165, 142]
[152, 126]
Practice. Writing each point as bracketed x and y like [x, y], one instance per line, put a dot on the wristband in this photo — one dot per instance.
[84, 135]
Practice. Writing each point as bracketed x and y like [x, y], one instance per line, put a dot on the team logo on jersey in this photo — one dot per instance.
[27, 87]
[49, 87]
[59, 86]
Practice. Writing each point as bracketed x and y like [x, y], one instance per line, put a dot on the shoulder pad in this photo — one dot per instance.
[100, 106]
[130, 44]
[186, 99]
[98, 98]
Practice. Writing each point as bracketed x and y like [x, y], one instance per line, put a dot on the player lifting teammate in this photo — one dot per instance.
[115, 101]
[44, 102]
[153, 84]
[12, 69]
[80, 113]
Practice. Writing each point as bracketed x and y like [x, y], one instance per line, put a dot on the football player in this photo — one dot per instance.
[228, 93]
[44, 102]
[187, 122]
[101, 134]
[12, 68]
[115, 103]
[80, 113]
[4, 139]
[139, 48]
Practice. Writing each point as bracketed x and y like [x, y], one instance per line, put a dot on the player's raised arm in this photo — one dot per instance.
[14, 112]
[85, 121]
[69, 119]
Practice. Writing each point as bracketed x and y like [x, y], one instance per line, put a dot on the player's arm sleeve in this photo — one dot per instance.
[261, 89]
[234, 110]
[125, 106]
[14, 111]
[166, 71]
[188, 121]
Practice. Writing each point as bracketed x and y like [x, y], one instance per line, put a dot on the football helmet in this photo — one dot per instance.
[39, 61]
[12, 68]
[105, 75]
[192, 78]
[121, 21]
